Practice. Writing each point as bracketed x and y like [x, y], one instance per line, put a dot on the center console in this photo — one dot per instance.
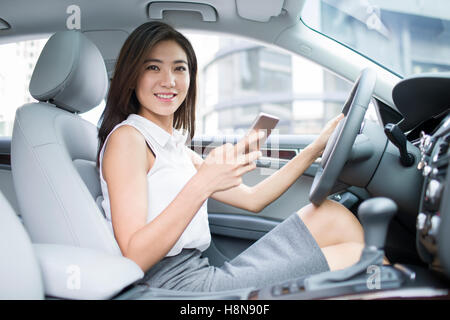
[433, 220]
[369, 278]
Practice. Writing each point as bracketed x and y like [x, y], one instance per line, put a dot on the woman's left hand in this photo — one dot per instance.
[321, 141]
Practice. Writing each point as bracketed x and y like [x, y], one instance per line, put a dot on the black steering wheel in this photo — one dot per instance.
[340, 144]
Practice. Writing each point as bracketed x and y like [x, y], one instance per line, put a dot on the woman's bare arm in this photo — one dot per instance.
[256, 198]
[125, 166]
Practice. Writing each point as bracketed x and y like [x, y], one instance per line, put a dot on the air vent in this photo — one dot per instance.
[4, 25]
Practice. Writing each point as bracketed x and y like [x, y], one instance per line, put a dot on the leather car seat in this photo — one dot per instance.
[53, 150]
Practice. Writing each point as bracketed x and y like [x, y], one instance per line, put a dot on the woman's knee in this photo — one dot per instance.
[348, 224]
[331, 223]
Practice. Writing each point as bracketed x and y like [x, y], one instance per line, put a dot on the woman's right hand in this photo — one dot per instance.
[224, 166]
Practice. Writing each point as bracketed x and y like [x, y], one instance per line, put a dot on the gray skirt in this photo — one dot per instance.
[288, 251]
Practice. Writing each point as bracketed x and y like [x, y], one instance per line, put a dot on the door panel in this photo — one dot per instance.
[291, 201]
[240, 226]
[5, 153]
[6, 181]
[276, 147]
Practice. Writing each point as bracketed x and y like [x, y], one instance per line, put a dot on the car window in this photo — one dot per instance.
[93, 115]
[239, 78]
[405, 37]
[17, 62]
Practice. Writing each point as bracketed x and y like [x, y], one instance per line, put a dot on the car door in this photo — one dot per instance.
[6, 181]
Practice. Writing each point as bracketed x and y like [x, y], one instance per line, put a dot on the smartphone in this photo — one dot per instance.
[263, 122]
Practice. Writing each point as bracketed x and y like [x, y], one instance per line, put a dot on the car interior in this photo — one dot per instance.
[55, 242]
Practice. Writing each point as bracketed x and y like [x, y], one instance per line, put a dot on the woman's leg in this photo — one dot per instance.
[343, 255]
[337, 232]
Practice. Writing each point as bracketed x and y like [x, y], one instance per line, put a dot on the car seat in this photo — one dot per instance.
[53, 150]
[53, 153]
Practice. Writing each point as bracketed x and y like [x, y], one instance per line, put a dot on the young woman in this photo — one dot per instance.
[156, 189]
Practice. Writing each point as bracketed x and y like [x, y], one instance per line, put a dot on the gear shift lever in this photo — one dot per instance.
[375, 215]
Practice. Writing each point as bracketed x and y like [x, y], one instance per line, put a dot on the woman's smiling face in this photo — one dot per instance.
[163, 82]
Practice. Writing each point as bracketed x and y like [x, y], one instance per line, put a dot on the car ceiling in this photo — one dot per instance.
[27, 17]
[108, 22]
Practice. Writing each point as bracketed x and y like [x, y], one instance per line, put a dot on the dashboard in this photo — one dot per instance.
[424, 101]
[433, 220]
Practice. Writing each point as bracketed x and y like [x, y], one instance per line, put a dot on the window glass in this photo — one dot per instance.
[93, 115]
[406, 37]
[239, 78]
[17, 61]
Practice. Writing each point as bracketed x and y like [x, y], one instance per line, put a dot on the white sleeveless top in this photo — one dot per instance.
[170, 172]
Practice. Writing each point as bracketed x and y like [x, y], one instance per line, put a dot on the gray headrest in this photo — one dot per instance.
[70, 73]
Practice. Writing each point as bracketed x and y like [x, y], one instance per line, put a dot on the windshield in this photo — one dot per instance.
[404, 36]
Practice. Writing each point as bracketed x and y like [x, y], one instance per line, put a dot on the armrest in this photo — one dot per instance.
[81, 273]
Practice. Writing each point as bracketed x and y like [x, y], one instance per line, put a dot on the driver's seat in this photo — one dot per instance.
[53, 150]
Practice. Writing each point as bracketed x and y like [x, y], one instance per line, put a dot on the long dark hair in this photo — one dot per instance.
[122, 100]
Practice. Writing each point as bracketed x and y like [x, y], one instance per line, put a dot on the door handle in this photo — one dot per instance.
[156, 9]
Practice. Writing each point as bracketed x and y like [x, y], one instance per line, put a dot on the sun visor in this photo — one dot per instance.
[259, 10]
